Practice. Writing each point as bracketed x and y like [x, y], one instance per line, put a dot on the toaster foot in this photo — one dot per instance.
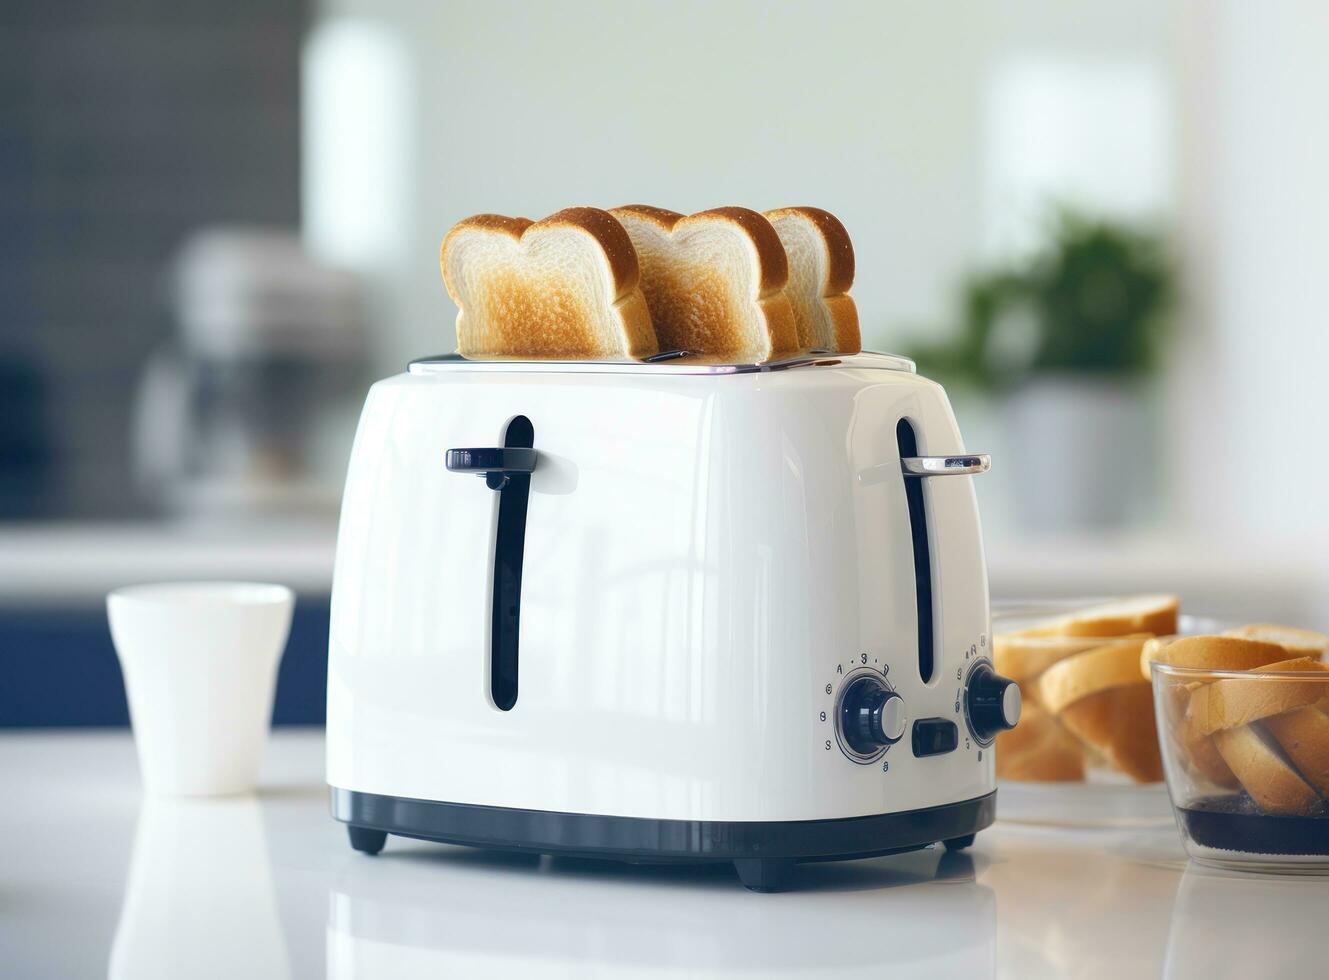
[764, 874]
[959, 843]
[367, 840]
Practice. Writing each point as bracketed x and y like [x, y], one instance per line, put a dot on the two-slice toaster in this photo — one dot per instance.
[690, 612]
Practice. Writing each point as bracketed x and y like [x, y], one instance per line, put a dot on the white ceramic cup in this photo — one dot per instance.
[200, 666]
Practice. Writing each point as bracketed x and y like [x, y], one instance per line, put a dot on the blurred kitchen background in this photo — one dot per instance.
[1103, 225]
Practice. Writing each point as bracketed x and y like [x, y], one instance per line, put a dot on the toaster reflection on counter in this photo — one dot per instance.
[497, 915]
[741, 616]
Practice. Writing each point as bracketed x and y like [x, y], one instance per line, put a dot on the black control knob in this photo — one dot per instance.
[992, 703]
[871, 715]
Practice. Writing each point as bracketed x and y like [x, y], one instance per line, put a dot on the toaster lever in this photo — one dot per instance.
[946, 465]
[493, 463]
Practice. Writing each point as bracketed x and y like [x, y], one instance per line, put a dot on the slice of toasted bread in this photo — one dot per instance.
[1303, 736]
[566, 287]
[1209, 653]
[1084, 674]
[1151, 651]
[1194, 751]
[1205, 759]
[1236, 701]
[1119, 723]
[1154, 614]
[1039, 749]
[1271, 782]
[821, 271]
[1034, 725]
[1024, 658]
[714, 282]
[1296, 641]
[1059, 761]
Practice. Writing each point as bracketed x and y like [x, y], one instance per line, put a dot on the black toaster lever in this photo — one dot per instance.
[506, 469]
[493, 463]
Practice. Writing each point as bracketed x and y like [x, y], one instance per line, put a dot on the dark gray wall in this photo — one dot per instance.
[123, 126]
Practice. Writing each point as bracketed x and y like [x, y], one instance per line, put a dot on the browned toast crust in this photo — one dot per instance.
[838, 244]
[549, 322]
[839, 331]
[600, 224]
[699, 317]
[774, 264]
[663, 217]
[612, 238]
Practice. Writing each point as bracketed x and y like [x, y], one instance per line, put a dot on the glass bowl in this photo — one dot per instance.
[1246, 758]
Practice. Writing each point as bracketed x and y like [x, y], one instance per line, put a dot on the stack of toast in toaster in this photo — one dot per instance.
[635, 282]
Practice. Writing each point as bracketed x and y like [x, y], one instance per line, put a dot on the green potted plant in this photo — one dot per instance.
[1067, 343]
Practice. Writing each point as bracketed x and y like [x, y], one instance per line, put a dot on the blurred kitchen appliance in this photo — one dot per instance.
[250, 408]
[691, 612]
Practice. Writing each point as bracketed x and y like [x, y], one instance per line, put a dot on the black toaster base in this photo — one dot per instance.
[763, 852]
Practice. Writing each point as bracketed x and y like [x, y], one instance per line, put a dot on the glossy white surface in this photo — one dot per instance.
[96, 882]
[706, 559]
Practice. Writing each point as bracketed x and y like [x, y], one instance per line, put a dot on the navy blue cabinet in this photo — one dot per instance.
[58, 668]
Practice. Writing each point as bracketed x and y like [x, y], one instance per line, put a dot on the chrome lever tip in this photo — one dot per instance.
[958, 465]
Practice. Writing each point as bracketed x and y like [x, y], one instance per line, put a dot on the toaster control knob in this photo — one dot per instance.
[992, 703]
[871, 716]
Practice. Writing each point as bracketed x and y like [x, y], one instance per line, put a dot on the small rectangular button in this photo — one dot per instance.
[935, 736]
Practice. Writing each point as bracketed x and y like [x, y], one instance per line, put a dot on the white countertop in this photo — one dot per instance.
[94, 881]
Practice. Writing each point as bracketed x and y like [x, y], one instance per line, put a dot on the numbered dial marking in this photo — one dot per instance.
[869, 716]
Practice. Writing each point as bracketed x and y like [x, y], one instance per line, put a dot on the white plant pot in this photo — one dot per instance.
[1080, 452]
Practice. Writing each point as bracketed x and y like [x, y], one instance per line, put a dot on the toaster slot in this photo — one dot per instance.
[509, 547]
[907, 442]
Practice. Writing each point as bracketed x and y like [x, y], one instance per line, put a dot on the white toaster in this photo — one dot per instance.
[690, 612]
